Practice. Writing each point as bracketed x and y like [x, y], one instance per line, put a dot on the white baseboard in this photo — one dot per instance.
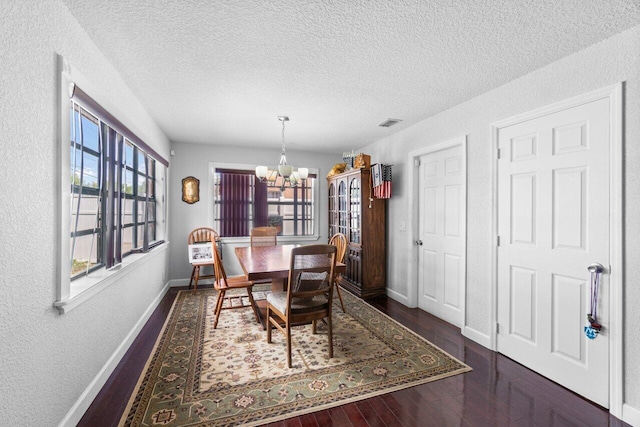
[631, 415]
[396, 296]
[174, 283]
[86, 398]
[482, 339]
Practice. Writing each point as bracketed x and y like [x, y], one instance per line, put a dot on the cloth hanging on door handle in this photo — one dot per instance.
[593, 328]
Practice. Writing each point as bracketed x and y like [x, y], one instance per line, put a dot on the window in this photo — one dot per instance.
[112, 195]
[242, 202]
[112, 186]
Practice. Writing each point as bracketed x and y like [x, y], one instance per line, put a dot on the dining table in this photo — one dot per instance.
[270, 262]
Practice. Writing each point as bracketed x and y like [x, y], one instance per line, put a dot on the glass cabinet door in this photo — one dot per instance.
[333, 214]
[354, 211]
[343, 213]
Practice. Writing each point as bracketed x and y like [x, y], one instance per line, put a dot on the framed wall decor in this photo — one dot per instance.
[201, 252]
[190, 190]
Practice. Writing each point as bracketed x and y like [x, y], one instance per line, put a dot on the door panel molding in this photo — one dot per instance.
[614, 94]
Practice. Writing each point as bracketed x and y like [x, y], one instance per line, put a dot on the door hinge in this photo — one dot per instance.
[416, 162]
[497, 328]
[498, 154]
[498, 240]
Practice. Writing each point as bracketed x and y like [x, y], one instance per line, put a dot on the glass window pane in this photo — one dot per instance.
[90, 133]
[127, 240]
[74, 163]
[85, 253]
[127, 182]
[142, 186]
[86, 162]
[150, 188]
[127, 212]
[140, 236]
[89, 207]
[151, 231]
[90, 177]
[141, 210]
[141, 165]
[151, 215]
[128, 153]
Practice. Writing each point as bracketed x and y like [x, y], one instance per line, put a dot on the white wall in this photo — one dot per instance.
[611, 61]
[48, 360]
[193, 160]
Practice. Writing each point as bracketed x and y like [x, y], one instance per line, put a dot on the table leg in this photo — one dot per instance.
[277, 285]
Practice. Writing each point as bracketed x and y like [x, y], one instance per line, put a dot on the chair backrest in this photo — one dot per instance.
[201, 235]
[264, 236]
[311, 272]
[218, 268]
[340, 241]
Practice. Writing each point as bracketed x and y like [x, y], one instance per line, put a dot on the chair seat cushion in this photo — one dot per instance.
[279, 301]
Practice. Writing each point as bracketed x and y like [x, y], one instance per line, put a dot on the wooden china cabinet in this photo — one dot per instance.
[354, 212]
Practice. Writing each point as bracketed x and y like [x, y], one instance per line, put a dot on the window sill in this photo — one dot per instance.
[83, 289]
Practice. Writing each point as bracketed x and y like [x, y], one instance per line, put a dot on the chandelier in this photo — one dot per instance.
[284, 171]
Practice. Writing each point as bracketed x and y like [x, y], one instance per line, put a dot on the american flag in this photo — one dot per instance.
[381, 180]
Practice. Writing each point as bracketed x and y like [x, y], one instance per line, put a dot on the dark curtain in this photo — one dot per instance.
[260, 205]
[235, 199]
[235, 203]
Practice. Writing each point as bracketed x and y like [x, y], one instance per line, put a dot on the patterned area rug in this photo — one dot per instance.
[200, 376]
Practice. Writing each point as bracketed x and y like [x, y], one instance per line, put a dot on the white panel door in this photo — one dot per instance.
[553, 221]
[441, 260]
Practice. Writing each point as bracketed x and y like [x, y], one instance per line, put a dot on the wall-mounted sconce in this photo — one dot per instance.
[190, 190]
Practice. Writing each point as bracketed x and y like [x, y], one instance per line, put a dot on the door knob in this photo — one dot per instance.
[595, 268]
[419, 242]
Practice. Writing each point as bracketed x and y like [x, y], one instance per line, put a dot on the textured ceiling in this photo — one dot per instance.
[220, 72]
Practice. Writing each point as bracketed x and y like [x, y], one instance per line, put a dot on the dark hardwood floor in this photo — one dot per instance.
[498, 392]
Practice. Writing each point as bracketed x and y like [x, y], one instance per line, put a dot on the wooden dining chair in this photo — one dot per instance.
[309, 295]
[339, 240]
[201, 235]
[264, 236]
[224, 284]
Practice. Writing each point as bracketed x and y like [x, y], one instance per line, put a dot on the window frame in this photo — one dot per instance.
[213, 166]
[71, 293]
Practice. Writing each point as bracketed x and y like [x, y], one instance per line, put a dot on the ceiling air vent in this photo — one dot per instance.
[389, 122]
